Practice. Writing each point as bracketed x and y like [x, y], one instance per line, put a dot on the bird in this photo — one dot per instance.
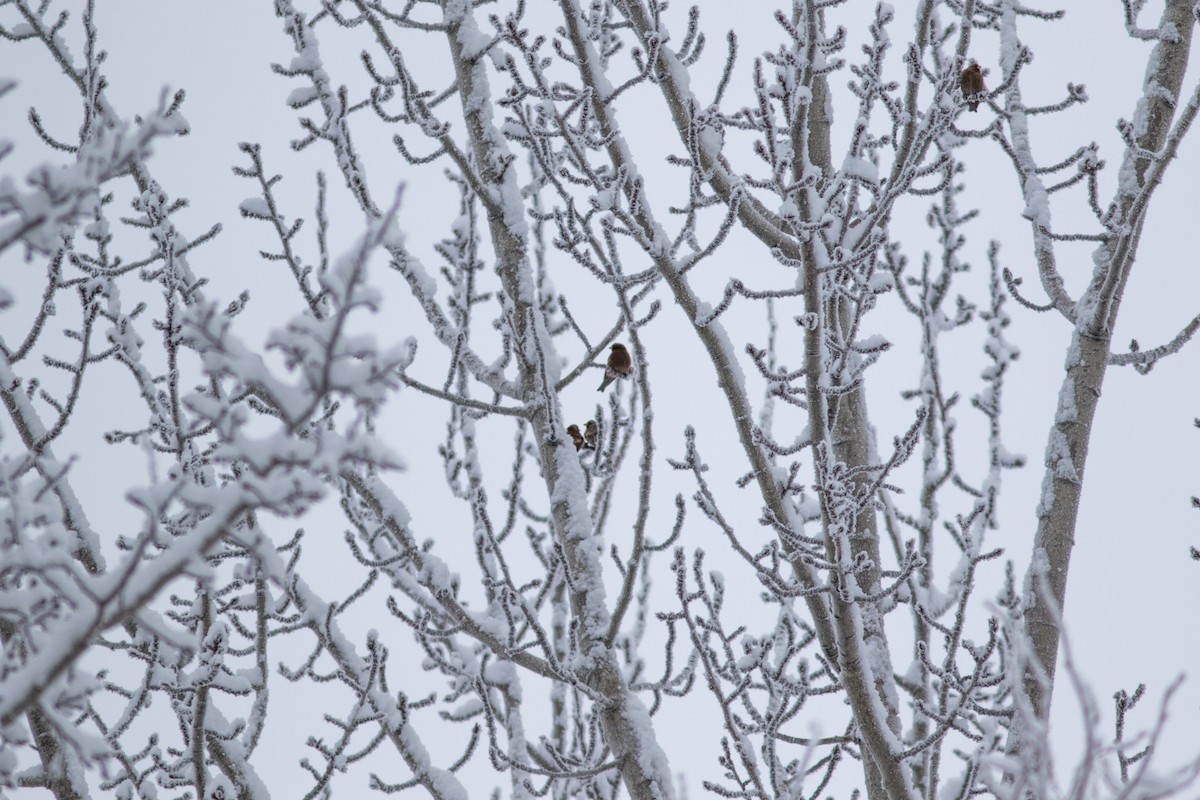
[576, 437]
[972, 86]
[619, 366]
[591, 432]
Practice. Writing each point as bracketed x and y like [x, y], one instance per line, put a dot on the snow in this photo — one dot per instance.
[328, 362]
[469, 36]
[651, 758]
[679, 75]
[606, 199]
[861, 169]
[1046, 499]
[467, 709]
[881, 281]
[256, 208]
[873, 343]
[712, 139]
[1058, 457]
[1067, 411]
[570, 494]
[704, 319]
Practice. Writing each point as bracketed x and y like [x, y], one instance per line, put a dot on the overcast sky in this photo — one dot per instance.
[1133, 595]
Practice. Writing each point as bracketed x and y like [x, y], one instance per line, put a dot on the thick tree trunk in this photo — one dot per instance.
[1087, 360]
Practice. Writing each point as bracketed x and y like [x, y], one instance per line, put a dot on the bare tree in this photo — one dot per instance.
[565, 242]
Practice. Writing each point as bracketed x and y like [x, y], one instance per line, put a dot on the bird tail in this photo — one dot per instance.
[609, 377]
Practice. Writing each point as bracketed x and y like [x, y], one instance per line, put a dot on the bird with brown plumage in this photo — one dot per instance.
[973, 90]
[620, 365]
[576, 437]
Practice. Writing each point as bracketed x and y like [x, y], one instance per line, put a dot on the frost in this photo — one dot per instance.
[268, 429]
[65, 194]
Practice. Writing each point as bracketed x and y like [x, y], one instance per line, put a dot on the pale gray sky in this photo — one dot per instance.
[1129, 619]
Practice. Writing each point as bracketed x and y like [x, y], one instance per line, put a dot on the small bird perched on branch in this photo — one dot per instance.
[591, 433]
[972, 86]
[576, 437]
[619, 366]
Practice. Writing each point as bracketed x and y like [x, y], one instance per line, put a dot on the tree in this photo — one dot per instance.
[565, 239]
